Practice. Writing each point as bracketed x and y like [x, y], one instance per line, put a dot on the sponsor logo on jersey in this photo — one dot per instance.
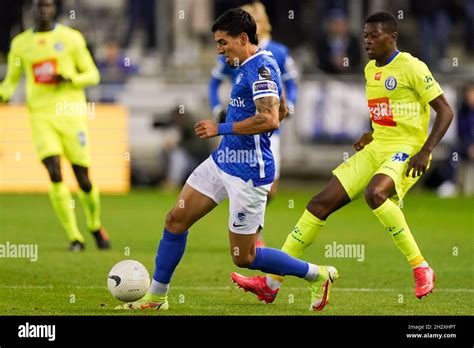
[238, 102]
[265, 86]
[45, 71]
[381, 112]
[400, 157]
[264, 74]
[378, 75]
[429, 81]
[390, 83]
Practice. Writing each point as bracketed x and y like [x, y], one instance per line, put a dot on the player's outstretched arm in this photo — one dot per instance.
[444, 116]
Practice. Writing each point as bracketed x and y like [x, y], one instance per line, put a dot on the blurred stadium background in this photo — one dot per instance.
[155, 57]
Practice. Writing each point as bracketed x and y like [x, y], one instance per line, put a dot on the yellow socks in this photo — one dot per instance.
[391, 216]
[302, 236]
[91, 203]
[63, 205]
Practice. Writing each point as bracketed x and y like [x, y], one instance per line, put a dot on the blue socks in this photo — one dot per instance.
[268, 260]
[170, 252]
[278, 262]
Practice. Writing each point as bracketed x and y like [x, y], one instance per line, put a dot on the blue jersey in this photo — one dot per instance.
[249, 156]
[286, 64]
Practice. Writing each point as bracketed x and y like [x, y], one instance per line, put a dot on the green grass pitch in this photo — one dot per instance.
[63, 283]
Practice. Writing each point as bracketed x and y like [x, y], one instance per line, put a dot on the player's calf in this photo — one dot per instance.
[242, 261]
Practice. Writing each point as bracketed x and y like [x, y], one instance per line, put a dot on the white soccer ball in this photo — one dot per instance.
[128, 280]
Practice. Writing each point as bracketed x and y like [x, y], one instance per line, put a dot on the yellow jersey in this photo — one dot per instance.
[398, 96]
[41, 56]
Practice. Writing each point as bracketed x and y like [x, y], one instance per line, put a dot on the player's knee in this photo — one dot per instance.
[175, 222]
[375, 196]
[55, 173]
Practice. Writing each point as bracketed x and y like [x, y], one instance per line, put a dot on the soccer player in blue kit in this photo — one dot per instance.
[222, 71]
[241, 169]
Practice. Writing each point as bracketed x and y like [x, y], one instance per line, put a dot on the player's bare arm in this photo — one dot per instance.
[266, 120]
[283, 110]
[444, 116]
[365, 139]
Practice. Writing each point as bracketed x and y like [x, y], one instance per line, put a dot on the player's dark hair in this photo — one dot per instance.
[236, 21]
[388, 20]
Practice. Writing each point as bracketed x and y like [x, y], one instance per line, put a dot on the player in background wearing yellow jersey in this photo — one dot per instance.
[58, 67]
[400, 90]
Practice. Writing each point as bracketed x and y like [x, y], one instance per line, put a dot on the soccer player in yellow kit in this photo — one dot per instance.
[390, 160]
[58, 66]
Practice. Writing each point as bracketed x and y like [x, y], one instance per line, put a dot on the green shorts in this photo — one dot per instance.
[69, 138]
[392, 160]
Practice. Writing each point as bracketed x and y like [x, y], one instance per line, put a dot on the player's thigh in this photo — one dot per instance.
[247, 204]
[201, 193]
[190, 206]
[395, 166]
[355, 173]
[76, 142]
[206, 180]
[46, 139]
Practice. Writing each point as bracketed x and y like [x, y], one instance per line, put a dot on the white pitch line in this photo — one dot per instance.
[229, 287]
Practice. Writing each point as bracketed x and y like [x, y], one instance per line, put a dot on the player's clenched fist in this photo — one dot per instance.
[365, 139]
[206, 129]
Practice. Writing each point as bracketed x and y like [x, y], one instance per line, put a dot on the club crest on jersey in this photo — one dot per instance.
[264, 74]
[239, 78]
[58, 46]
[390, 83]
[400, 157]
